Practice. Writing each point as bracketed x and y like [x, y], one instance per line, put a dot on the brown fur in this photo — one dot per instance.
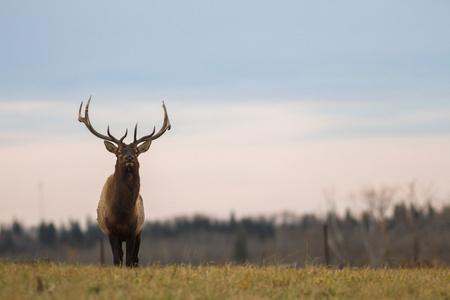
[120, 212]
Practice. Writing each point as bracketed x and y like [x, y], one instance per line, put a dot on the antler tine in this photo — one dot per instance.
[144, 138]
[166, 126]
[135, 132]
[124, 136]
[115, 139]
[89, 126]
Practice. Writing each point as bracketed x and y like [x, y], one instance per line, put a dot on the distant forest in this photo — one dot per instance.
[385, 234]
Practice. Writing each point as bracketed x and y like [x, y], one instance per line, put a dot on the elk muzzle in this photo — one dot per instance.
[129, 161]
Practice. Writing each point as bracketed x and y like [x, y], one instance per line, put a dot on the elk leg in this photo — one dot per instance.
[130, 251]
[116, 247]
[137, 244]
[121, 253]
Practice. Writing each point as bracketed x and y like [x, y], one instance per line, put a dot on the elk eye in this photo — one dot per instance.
[119, 153]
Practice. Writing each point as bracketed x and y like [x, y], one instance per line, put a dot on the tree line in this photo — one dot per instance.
[385, 233]
[17, 238]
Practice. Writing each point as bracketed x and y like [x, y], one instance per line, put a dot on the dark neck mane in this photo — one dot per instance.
[126, 190]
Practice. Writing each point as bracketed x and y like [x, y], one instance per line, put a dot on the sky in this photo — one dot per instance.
[274, 105]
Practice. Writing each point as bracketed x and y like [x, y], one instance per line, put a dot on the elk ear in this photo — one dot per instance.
[110, 147]
[144, 147]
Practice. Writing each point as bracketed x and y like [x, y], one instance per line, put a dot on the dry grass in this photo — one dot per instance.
[50, 280]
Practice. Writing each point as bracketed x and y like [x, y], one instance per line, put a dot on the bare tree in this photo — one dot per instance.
[373, 227]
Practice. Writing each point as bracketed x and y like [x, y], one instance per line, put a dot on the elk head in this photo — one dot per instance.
[126, 154]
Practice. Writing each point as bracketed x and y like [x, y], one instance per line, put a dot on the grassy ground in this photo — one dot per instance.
[49, 280]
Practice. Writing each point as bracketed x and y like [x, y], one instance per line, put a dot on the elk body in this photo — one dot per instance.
[120, 212]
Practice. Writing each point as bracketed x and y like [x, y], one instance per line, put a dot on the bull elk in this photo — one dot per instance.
[120, 212]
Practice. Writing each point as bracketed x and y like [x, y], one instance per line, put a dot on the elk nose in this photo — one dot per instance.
[129, 158]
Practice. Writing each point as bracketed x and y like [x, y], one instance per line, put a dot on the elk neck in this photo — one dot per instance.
[126, 188]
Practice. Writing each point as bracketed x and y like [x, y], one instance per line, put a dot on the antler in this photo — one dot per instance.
[88, 124]
[166, 126]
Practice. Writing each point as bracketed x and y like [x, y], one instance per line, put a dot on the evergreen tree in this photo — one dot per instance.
[240, 246]
[47, 234]
[8, 244]
[17, 228]
[76, 235]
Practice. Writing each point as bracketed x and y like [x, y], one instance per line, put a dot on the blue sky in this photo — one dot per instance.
[238, 77]
[288, 49]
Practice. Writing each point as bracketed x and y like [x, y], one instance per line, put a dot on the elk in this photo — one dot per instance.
[120, 212]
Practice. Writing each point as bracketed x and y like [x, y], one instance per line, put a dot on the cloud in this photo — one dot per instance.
[360, 119]
[34, 121]
[231, 121]
[249, 123]
[24, 107]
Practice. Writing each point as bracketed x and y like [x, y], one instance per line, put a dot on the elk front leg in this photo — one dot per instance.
[137, 244]
[116, 247]
[130, 251]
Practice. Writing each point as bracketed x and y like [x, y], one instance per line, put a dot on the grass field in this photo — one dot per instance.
[49, 280]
